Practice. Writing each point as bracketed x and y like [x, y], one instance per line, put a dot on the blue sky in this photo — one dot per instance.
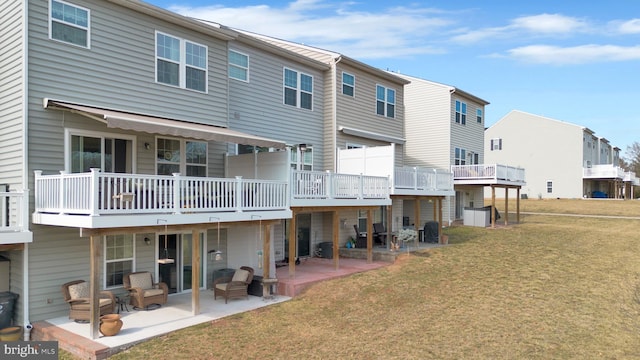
[574, 61]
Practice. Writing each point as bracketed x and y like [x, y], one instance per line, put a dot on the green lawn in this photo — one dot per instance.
[549, 288]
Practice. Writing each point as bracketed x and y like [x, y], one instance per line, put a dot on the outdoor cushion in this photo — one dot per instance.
[153, 292]
[85, 305]
[240, 275]
[79, 290]
[142, 281]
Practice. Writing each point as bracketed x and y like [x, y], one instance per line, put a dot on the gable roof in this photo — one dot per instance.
[452, 89]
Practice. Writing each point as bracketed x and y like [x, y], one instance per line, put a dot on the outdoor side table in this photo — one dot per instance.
[122, 303]
[267, 288]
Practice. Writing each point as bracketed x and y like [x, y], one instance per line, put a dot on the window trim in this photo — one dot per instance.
[183, 164]
[298, 88]
[51, 20]
[549, 186]
[182, 64]
[105, 261]
[496, 144]
[385, 101]
[69, 132]
[460, 112]
[462, 159]
[479, 116]
[238, 66]
[352, 86]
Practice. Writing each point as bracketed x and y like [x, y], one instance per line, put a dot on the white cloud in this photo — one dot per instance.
[391, 32]
[556, 55]
[629, 27]
[532, 26]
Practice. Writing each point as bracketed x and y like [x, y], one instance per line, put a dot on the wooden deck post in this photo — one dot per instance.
[493, 206]
[334, 238]
[369, 236]
[94, 297]
[506, 205]
[266, 252]
[195, 272]
[518, 204]
[292, 243]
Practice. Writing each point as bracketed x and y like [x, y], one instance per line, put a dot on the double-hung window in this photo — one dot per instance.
[69, 23]
[119, 256]
[479, 116]
[181, 156]
[385, 101]
[461, 112]
[348, 84]
[460, 156]
[238, 66]
[181, 63]
[298, 89]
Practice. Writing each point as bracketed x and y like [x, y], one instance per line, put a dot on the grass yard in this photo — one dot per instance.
[549, 288]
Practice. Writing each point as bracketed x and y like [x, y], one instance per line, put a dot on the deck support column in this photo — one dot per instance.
[292, 243]
[493, 206]
[506, 205]
[369, 236]
[518, 204]
[195, 272]
[94, 296]
[335, 235]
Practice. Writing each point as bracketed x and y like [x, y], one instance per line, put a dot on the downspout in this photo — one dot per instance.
[334, 115]
[25, 163]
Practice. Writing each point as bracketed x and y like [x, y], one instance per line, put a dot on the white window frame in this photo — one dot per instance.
[132, 259]
[182, 63]
[479, 116]
[385, 101]
[496, 144]
[298, 88]
[461, 112]
[549, 186]
[459, 156]
[238, 66]
[307, 159]
[352, 86]
[87, 28]
[69, 132]
[182, 163]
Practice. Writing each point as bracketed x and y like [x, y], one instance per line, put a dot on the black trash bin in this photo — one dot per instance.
[431, 232]
[7, 300]
[326, 249]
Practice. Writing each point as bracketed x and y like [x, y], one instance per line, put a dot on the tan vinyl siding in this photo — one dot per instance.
[11, 93]
[428, 124]
[469, 136]
[547, 149]
[257, 106]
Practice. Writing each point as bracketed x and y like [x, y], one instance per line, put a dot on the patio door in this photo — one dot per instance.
[176, 272]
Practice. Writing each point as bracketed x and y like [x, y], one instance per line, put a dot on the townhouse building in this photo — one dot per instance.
[572, 162]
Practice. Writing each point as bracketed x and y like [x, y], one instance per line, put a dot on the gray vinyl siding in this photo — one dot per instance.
[329, 125]
[428, 124]
[11, 93]
[118, 71]
[469, 136]
[120, 66]
[257, 106]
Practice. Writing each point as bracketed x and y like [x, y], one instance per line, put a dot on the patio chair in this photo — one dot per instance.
[361, 238]
[76, 293]
[236, 287]
[143, 291]
[379, 233]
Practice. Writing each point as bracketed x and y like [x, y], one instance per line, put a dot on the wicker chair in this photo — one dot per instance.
[143, 291]
[76, 293]
[236, 287]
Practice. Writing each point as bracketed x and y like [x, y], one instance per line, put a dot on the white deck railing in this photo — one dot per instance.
[328, 185]
[14, 211]
[97, 193]
[606, 171]
[492, 172]
[417, 178]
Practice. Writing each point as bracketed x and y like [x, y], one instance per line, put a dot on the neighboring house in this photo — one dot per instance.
[121, 133]
[445, 129]
[563, 160]
[364, 133]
